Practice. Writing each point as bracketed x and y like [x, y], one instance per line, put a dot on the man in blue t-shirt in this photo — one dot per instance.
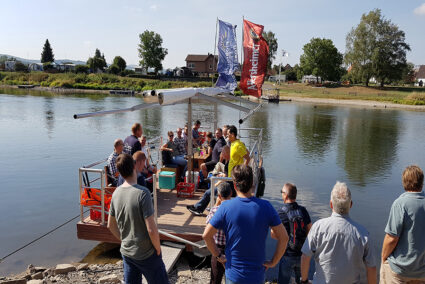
[245, 221]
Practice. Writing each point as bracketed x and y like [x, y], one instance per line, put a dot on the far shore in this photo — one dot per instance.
[284, 98]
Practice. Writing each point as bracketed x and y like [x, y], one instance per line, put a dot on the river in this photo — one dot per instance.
[313, 146]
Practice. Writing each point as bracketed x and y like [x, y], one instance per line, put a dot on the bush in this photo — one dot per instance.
[114, 69]
[82, 69]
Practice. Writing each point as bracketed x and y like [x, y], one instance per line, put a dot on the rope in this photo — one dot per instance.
[42, 236]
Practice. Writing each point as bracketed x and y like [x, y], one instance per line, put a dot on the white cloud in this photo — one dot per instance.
[420, 10]
[153, 7]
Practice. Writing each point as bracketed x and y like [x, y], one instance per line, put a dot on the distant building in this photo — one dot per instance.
[420, 76]
[35, 67]
[203, 64]
[311, 79]
[9, 65]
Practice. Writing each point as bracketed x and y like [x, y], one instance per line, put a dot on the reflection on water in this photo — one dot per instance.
[315, 131]
[310, 146]
[367, 144]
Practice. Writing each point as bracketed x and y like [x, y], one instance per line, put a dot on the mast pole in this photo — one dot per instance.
[215, 47]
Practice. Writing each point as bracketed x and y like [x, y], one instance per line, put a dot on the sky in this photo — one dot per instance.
[75, 28]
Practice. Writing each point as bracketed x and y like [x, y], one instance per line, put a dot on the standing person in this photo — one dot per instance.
[238, 151]
[131, 220]
[224, 191]
[226, 134]
[112, 161]
[403, 251]
[132, 143]
[195, 133]
[341, 247]
[245, 221]
[181, 143]
[297, 223]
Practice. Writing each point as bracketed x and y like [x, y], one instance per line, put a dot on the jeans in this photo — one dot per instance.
[290, 265]
[203, 203]
[287, 265]
[152, 268]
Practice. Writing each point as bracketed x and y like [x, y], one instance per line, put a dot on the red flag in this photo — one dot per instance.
[256, 52]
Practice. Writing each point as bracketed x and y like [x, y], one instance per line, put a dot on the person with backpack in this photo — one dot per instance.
[297, 223]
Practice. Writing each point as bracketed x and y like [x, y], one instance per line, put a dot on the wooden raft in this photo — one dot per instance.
[173, 218]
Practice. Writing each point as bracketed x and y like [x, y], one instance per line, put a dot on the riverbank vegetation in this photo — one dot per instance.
[399, 95]
[100, 81]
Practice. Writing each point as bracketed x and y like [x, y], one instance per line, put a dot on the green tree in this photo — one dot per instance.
[272, 42]
[321, 58]
[376, 48]
[47, 54]
[120, 62]
[151, 52]
[114, 69]
[20, 67]
[97, 62]
[408, 74]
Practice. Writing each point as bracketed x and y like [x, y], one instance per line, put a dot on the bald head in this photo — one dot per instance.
[118, 146]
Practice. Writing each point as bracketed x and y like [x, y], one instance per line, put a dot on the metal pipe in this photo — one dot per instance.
[222, 102]
[80, 182]
[100, 113]
[189, 141]
[102, 197]
[96, 163]
[212, 186]
[249, 114]
[171, 236]
[232, 97]
[155, 200]
[91, 170]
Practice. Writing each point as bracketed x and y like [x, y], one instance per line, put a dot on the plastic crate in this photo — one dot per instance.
[96, 215]
[185, 189]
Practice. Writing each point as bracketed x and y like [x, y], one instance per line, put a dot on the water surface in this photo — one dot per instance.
[311, 146]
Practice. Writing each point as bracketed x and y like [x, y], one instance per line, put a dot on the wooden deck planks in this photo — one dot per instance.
[173, 218]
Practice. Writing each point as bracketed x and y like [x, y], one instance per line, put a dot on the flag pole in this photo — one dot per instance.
[215, 47]
[243, 18]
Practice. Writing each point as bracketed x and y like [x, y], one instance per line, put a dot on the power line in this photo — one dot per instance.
[42, 236]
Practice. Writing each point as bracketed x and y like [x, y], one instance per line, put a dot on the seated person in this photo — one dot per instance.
[202, 204]
[181, 143]
[112, 161]
[145, 150]
[169, 157]
[209, 144]
[216, 151]
[139, 164]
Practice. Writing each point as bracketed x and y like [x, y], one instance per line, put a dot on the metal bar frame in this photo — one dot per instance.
[82, 171]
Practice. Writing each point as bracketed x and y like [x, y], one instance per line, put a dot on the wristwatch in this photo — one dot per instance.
[303, 282]
[219, 255]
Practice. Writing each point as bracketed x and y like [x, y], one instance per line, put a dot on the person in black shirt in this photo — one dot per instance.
[215, 155]
[297, 223]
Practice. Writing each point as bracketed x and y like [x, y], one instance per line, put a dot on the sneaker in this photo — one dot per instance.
[193, 210]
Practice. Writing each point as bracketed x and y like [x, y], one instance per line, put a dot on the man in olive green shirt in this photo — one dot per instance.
[131, 220]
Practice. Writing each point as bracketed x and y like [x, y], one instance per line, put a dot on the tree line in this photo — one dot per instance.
[375, 48]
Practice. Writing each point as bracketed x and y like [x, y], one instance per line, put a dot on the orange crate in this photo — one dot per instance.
[185, 189]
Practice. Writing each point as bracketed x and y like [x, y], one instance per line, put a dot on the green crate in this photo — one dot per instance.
[167, 180]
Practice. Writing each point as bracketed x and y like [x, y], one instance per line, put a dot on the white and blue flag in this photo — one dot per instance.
[227, 57]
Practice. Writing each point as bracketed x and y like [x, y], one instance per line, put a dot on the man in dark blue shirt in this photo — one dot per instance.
[297, 223]
[132, 143]
[215, 155]
[245, 221]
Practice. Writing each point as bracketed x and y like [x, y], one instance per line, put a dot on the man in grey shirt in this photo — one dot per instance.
[403, 251]
[340, 247]
[131, 220]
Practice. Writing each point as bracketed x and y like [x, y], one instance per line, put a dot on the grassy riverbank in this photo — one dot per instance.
[91, 81]
[398, 95]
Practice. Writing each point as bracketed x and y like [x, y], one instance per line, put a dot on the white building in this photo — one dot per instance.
[311, 79]
[420, 76]
[9, 65]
